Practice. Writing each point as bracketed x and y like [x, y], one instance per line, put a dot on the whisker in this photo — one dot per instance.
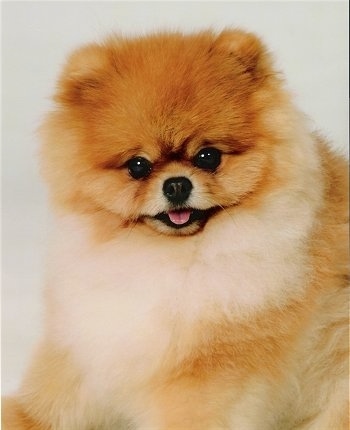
[131, 227]
[214, 203]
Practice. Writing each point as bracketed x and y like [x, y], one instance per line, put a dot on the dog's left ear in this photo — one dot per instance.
[247, 49]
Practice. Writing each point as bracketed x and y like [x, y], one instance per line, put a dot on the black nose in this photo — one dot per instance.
[177, 190]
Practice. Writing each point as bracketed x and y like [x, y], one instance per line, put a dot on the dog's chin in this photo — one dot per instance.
[180, 222]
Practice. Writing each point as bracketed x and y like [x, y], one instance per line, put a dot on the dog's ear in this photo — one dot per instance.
[247, 49]
[83, 76]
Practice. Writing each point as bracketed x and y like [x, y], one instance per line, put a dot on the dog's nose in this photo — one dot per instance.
[177, 190]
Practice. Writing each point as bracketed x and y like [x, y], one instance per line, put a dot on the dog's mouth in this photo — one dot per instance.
[182, 218]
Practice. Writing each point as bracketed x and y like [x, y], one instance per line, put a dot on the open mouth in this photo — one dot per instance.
[181, 218]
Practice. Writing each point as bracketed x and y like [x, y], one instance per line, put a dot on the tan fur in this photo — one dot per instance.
[236, 323]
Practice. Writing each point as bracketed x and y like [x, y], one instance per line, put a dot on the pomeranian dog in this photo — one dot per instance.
[198, 272]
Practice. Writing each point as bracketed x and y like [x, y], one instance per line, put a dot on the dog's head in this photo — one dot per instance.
[165, 130]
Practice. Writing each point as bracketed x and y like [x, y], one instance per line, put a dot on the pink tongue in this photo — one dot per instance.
[179, 217]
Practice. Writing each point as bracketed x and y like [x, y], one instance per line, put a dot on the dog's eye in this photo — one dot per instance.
[207, 158]
[139, 167]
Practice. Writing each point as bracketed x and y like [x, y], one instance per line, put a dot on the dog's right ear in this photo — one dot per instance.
[83, 76]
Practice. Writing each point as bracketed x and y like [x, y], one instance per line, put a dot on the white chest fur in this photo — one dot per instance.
[119, 305]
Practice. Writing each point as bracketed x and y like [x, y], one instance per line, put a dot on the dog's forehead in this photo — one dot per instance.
[170, 105]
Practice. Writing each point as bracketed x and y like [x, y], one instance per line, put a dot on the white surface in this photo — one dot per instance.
[310, 43]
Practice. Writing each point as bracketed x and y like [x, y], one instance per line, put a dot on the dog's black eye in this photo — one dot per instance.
[207, 158]
[139, 167]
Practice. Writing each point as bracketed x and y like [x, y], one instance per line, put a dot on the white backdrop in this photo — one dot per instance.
[310, 43]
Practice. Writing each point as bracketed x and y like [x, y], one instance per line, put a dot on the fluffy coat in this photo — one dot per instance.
[238, 321]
